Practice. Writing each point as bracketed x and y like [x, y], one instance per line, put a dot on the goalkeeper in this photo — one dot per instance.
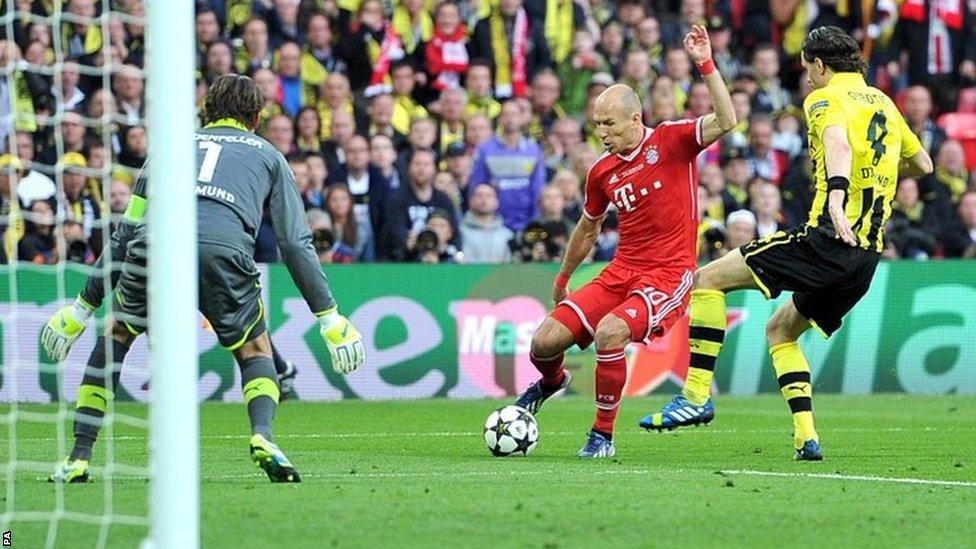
[238, 174]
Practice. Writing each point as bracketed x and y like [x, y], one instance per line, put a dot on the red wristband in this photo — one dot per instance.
[706, 67]
[561, 281]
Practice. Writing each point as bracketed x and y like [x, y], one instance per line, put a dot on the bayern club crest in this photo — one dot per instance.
[651, 155]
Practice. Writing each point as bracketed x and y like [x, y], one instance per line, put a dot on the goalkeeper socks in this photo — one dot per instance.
[611, 374]
[793, 374]
[94, 394]
[551, 369]
[261, 393]
[279, 361]
[705, 336]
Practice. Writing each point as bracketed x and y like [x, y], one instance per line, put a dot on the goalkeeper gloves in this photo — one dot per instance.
[343, 341]
[64, 328]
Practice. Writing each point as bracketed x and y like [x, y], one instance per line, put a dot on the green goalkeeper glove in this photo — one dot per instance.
[64, 328]
[343, 341]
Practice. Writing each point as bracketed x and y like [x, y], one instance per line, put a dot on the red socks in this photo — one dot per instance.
[611, 374]
[551, 369]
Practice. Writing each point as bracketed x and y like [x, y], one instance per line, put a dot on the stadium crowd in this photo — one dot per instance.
[447, 131]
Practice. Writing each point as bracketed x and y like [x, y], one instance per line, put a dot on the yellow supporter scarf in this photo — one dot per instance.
[499, 47]
[24, 120]
[404, 28]
[405, 110]
[14, 230]
[559, 28]
[238, 13]
[795, 33]
[325, 114]
[955, 184]
[93, 37]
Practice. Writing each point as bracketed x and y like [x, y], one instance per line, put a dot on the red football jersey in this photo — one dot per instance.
[655, 192]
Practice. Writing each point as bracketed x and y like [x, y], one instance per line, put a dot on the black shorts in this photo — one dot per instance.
[827, 276]
[229, 292]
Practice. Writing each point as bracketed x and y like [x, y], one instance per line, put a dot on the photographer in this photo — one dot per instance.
[76, 247]
[541, 241]
[433, 243]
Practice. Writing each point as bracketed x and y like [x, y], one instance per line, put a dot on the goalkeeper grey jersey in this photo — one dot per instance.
[239, 175]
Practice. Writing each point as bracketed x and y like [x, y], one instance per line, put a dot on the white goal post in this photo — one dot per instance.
[174, 503]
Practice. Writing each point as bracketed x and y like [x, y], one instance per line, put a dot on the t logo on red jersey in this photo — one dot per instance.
[624, 199]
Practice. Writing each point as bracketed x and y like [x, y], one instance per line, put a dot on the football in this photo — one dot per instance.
[511, 431]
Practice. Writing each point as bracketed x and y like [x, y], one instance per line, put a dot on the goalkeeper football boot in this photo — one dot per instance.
[597, 446]
[678, 413]
[286, 381]
[533, 397]
[70, 471]
[810, 451]
[269, 457]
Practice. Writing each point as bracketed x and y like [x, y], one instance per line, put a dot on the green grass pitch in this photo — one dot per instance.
[416, 474]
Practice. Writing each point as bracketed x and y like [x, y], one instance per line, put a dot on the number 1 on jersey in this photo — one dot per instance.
[209, 161]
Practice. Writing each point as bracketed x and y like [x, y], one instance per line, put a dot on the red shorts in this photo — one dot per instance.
[649, 302]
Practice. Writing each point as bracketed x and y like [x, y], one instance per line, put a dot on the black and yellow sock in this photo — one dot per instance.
[96, 389]
[705, 336]
[793, 374]
[261, 393]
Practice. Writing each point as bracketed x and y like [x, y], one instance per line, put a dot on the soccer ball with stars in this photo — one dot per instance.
[511, 431]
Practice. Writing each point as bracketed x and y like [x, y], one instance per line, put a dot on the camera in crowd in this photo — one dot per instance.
[541, 241]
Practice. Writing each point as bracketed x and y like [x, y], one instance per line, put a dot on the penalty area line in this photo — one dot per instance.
[863, 478]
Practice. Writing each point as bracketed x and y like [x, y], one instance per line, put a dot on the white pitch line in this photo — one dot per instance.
[866, 478]
[405, 434]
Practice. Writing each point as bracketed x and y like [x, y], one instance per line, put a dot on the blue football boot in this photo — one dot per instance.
[597, 446]
[810, 451]
[533, 397]
[678, 413]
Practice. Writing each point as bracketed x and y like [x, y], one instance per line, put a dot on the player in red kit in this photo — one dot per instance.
[650, 176]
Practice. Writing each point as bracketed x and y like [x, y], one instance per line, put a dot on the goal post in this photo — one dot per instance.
[174, 501]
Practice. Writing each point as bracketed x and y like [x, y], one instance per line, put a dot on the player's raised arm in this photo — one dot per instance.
[717, 124]
[295, 242]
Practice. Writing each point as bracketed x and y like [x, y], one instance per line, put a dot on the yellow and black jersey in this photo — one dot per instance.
[879, 138]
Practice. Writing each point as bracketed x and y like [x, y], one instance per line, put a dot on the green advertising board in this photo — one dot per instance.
[463, 331]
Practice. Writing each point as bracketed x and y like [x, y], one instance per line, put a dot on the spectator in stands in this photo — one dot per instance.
[718, 201]
[740, 228]
[367, 186]
[764, 161]
[637, 73]
[334, 97]
[369, 46]
[343, 128]
[552, 208]
[434, 243]
[771, 96]
[318, 33]
[677, 66]
[908, 232]
[918, 114]
[80, 204]
[544, 97]
[612, 46]
[346, 228]
[477, 83]
[407, 210]
[422, 135]
[514, 165]
[942, 188]
[477, 131]
[960, 238]
[118, 199]
[73, 132]
[577, 71]
[39, 244]
[383, 156]
[565, 136]
[308, 128]
[207, 29]
[569, 184]
[446, 53]
[68, 94]
[254, 52]
[486, 239]
[406, 107]
[450, 128]
[765, 203]
[281, 133]
[296, 90]
[515, 46]
[11, 209]
[33, 184]
[135, 147]
[218, 60]
[379, 120]
[690, 12]
[128, 86]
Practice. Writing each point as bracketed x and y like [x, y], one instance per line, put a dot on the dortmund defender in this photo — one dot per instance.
[238, 174]
[858, 143]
